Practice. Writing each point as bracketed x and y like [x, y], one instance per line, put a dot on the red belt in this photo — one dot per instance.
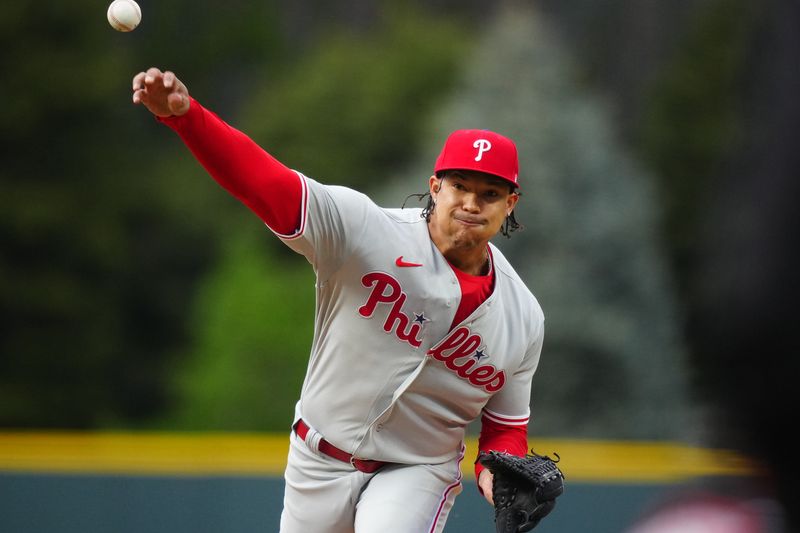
[363, 465]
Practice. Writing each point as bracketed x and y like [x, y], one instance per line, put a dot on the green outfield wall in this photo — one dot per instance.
[231, 483]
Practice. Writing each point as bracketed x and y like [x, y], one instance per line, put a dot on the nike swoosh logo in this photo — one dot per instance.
[399, 262]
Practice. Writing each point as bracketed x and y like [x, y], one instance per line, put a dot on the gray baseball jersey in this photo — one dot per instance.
[388, 379]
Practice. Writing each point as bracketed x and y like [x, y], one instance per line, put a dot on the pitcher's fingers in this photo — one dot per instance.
[169, 79]
[152, 75]
[138, 81]
[139, 96]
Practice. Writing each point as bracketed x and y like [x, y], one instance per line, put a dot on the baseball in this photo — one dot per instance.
[124, 15]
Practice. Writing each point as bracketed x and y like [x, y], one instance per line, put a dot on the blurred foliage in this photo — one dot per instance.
[102, 243]
[252, 318]
[91, 286]
[356, 107]
[692, 121]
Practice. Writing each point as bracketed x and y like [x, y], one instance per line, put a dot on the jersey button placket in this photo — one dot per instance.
[456, 290]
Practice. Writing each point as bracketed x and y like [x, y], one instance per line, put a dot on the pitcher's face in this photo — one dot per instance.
[470, 207]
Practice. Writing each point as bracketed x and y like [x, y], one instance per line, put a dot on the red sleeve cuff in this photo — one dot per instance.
[499, 437]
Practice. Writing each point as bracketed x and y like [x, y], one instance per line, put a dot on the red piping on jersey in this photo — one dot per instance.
[506, 420]
[303, 213]
[446, 493]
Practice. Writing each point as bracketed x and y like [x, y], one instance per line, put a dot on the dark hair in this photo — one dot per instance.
[510, 225]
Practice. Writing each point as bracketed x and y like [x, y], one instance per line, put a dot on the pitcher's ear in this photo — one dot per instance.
[434, 184]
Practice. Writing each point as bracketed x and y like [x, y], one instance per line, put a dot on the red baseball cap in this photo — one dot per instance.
[480, 150]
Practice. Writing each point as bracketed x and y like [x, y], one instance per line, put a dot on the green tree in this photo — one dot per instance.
[693, 121]
[253, 322]
[356, 108]
[99, 251]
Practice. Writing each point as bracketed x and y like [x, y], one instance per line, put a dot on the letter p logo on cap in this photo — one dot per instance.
[482, 151]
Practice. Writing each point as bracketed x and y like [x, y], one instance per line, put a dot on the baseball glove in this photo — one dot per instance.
[524, 488]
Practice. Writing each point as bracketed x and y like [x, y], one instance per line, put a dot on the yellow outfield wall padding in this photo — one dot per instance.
[246, 454]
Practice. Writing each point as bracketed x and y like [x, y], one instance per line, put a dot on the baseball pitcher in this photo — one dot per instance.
[421, 325]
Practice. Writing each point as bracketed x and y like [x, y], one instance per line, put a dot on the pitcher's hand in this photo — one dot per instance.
[162, 93]
[485, 480]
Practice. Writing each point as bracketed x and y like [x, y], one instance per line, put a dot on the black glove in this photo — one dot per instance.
[524, 488]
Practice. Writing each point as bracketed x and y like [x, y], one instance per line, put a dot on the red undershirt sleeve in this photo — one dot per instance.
[501, 438]
[271, 190]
